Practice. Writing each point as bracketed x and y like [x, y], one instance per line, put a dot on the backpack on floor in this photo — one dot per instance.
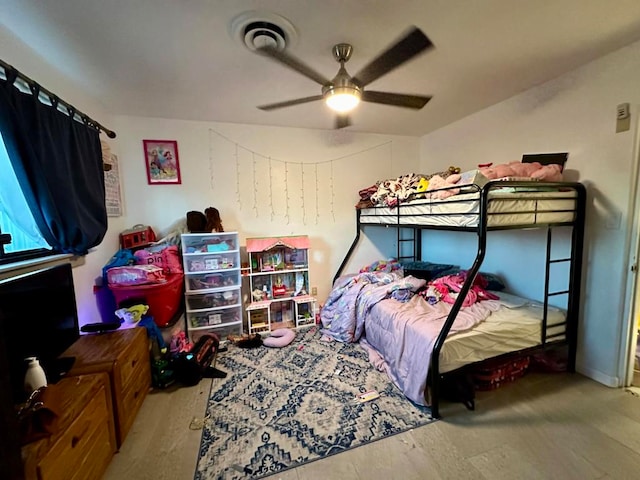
[192, 366]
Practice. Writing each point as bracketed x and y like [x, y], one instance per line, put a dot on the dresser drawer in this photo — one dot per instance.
[135, 358]
[85, 449]
[132, 397]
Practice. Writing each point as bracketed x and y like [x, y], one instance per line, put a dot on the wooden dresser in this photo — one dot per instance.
[83, 442]
[124, 356]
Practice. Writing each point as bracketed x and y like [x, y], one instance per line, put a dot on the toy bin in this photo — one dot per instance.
[164, 299]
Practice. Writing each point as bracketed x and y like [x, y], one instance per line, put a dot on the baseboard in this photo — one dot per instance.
[600, 377]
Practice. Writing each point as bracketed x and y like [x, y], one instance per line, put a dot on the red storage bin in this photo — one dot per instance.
[164, 299]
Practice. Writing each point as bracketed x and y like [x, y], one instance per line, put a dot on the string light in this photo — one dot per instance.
[315, 168]
[211, 162]
[286, 181]
[271, 190]
[333, 213]
[255, 186]
[238, 177]
[286, 191]
[304, 210]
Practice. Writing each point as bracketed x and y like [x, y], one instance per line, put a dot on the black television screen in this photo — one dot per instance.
[38, 318]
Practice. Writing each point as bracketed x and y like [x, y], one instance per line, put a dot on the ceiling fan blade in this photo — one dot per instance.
[342, 121]
[413, 43]
[289, 103]
[293, 63]
[396, 99]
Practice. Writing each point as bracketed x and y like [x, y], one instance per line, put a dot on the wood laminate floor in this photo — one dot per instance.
[544, 426]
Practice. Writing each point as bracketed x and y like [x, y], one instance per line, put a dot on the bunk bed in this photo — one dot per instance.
[479, 210]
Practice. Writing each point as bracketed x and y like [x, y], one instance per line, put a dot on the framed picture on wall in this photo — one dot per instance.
[161, 160]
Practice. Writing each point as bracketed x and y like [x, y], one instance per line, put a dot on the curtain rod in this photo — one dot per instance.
[70, 108]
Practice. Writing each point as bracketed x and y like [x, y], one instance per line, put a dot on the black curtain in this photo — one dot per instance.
[58, 162]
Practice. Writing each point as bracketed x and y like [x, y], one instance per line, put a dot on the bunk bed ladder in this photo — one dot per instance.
[545, 338]
[574, 282]
[409, 244]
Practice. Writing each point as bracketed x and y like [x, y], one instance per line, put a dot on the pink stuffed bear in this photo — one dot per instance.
[437, 182]
[548, 173]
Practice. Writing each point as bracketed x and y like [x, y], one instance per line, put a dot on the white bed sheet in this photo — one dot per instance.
[513, 208]
[516, 326]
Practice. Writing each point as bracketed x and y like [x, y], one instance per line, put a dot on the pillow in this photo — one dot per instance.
[280, 337]
[426, 270]
[494, 282]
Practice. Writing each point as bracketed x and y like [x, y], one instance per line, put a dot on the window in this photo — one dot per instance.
[16, 219]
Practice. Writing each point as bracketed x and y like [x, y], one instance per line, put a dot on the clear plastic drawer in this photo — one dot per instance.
[213, 243]
[206, 281]
[213, 300]
[210, 262]
[214, 318]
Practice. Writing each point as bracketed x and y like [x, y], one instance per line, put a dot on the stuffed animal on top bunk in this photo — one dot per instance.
[393, 191]
[512, 170]
[535, 170]
[438, 183]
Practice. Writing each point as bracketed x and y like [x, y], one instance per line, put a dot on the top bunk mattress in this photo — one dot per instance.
[505, 208]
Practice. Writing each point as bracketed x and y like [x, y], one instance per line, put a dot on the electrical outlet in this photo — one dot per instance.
[314, 290]
[622, 111]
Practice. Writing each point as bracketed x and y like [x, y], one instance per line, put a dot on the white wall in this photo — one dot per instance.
[573, 113]
[328, 166]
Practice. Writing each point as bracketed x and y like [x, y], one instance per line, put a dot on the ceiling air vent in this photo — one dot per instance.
[259, 29]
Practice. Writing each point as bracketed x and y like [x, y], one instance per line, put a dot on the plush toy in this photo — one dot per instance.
[196, 222]
[547, 173]
[132, 314]
[438, 182]
[444, 174]
[423, 185]
[179, 343]
[279, 338]
[214, 223]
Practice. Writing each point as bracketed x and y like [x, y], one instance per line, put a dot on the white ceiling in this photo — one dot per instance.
[178, 58]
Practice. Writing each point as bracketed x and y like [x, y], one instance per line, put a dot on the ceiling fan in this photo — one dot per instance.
[344, 91]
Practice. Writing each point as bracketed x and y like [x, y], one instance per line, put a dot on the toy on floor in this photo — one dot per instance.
[179, 343]
[190, 367]
[246, 340]
[279, 338]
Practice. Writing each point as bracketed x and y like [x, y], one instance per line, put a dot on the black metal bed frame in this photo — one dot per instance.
[399, 219]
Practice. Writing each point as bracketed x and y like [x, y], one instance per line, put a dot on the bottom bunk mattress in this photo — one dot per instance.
[400, 342]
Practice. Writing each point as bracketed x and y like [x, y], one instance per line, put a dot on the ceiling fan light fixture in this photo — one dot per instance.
[342, 99]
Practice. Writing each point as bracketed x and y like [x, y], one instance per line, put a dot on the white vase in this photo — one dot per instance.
[35, 376]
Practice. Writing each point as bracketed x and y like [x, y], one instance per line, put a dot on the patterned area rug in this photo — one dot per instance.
[279, 408]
